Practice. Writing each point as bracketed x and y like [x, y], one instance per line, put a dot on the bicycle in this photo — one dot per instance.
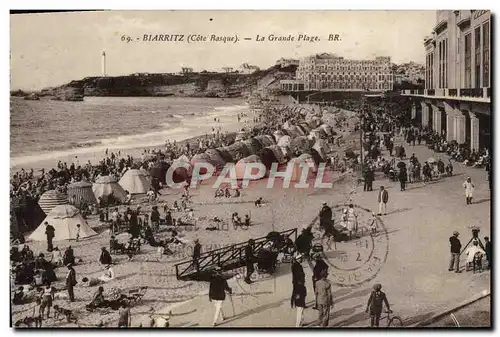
[392, 322]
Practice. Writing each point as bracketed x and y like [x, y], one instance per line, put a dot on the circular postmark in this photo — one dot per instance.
[362, 255]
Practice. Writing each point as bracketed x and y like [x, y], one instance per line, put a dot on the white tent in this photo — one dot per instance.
[135, 181]
[64, 219]
[105, 185]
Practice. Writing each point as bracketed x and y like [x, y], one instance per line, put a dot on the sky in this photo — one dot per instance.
[53, 49]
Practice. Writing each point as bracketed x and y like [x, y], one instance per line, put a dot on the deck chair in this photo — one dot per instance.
[135, 295]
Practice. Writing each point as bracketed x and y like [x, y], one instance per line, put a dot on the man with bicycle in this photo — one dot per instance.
[375, 304]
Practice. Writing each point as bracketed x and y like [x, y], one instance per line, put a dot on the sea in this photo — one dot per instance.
[44, 129]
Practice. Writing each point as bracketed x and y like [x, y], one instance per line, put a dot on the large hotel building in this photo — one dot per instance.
[456, 101]
[329, 72]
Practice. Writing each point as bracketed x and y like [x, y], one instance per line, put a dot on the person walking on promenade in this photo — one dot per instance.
[403, 177]
[71, 282]
[217, 293]
[376, 303]
[383, 197]
[455, 252]
[50, 231]
[299, 291]
[324, 298]
[487, 250]
[249, 261]
[318, 269]
[196, 254]
[469, 188]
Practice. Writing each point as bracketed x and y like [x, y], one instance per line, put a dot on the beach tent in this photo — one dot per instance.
[224, 154]
[135, 181]
[319, 151]
[215, 158]
[145, 172]
[294, 131]
[51, 199]
[237, 151]
[104, 186]
[253, 145]
[201, 158]
[315, 121]
[300, 145]
[265, 140]
[27, 212]
[284, 144]
[300, 163]
[184, 173]
[81, 192]
[159, 171]
[64, 219]
[241, 165]
[318, 133]
[272, 154]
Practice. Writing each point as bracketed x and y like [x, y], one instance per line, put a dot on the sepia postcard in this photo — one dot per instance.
[257, 169]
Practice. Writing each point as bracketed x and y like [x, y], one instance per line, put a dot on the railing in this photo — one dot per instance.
[481, 93]
[227, 258]
[472, 92]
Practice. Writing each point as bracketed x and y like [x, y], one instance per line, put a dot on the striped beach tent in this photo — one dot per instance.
[64, 219]
[104, 186]
[79, 192]
[51, 199]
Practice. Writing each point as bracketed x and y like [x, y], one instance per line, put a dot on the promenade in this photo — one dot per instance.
[415, 275]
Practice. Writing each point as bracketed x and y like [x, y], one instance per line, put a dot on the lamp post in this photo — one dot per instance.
[361, 123]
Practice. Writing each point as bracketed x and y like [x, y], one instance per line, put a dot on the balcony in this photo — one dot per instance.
[463, 18]
[482, 95]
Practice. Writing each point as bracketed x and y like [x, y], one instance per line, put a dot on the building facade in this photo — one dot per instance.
[283, 63]
[456, 101]
[329, 72]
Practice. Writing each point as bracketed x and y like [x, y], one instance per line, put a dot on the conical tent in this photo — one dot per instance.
[64, 219]
[295, 132]
[135, 181]
[319, 151]
[201, 158]
[265, 140]
[215, 158]
[51, 199]
[224, 154]
[328, 129]
[237, 151]
[241, 166]
[300, 145]
[272, 154]
[104, 186]
[81, 192]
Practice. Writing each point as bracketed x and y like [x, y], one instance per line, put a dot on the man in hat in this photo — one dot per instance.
[324, 298]
[383, 197]
[217, 293]
[325, 215]
[319, 268]
[51, 233]
[299, 291]
[155, 219]
[455, 247]
[196, 253]
[487, 250]
[375, 304]
[71, 282]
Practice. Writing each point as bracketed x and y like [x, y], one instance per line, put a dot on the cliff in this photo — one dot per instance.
[203, 84]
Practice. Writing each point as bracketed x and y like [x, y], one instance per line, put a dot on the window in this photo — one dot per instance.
[477, 59]
[486, 54]
[467, 61]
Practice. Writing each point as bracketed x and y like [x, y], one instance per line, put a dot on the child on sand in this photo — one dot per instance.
[77, 232]
[37, 313]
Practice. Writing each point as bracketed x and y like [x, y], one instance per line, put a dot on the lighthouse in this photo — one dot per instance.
[104, 64]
